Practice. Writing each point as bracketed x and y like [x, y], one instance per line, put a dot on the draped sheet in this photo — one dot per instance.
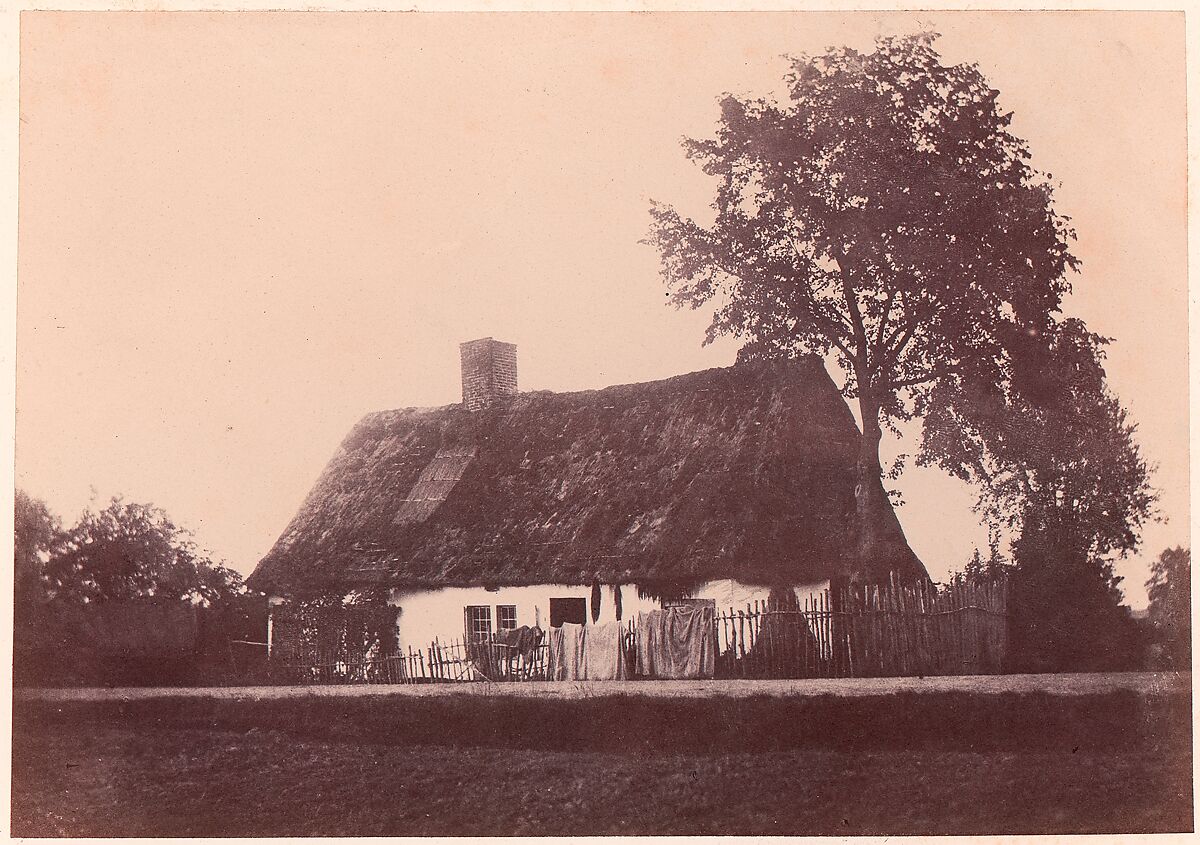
[604, 658]
[566, 656]
[586, 653]
[678, 642]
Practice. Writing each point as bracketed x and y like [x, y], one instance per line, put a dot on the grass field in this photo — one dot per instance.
[892, 764]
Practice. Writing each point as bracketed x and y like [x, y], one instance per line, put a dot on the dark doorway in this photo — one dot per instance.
[568, 610]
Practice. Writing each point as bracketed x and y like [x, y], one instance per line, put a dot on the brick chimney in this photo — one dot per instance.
[489, 372]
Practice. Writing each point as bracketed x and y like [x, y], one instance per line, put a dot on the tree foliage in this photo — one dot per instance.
[991, 567]
[884, 214]
[1170, 589]
[1068, 612]
[322, 626]
[124, 596]
[1055, 462]
[36, 533]
[1048, 445]
[134, 551]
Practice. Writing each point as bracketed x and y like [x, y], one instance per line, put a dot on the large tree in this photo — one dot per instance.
[885, 214]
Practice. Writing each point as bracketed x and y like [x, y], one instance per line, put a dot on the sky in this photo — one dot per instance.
[241, 232]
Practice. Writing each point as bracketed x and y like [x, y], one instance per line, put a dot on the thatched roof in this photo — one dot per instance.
[745, 472]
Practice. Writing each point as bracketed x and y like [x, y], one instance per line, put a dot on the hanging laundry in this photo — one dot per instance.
[677, 642]
[524, 640]
[649, 628]
[554, 655]
[604, 657]
[578, 654]
[566, 656]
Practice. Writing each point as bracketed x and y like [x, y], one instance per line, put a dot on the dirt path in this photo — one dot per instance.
[1146, 683]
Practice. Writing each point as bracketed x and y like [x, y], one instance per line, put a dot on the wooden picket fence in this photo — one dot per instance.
[889, 629]
[442, 662]
[462, 660]
[870, 631]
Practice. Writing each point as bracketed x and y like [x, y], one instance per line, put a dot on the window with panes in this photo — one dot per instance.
[479, 622]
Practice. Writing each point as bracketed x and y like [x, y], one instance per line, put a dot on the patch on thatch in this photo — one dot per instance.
[744, 472]
[434, 484]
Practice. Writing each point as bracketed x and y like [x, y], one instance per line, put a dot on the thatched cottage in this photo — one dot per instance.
[523, 508]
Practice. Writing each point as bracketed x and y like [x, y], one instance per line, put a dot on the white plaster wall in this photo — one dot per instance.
[438, 613]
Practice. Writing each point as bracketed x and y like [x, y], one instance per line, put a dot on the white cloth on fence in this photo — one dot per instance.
[566, 653]
[604, 658]
[677, 642]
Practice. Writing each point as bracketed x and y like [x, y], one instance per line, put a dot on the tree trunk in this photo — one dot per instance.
[868, 488]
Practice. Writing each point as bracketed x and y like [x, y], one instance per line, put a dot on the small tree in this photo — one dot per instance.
[1170, 588]
[993, 566]
[884, 214]
[1054, 459]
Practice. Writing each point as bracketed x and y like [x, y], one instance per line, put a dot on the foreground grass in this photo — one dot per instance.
[118, 782]
[886, 765]
[906, 720]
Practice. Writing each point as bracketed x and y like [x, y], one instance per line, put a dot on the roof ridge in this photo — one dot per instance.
[804, 361]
